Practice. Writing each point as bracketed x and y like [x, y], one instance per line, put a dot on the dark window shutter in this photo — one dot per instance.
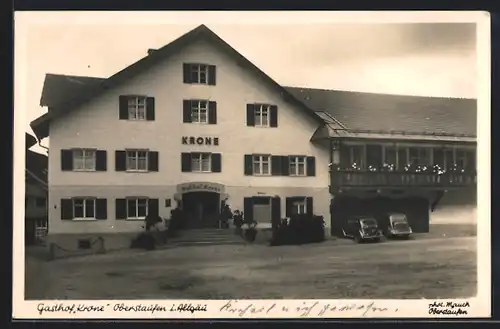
[275, 211]
[212, 78]
[288, 206]
[216, 162]
[311, 166]
[101, 160]
[212, 113]
[150, 108]
[250, 115]
[273, 122]
[120, 160]
[186, 162]
[123, 107]
[276, 165]
[285, 166]
[309, 206]
[66, 160]
[248, 166]
[101, 206]
[186, 69]
[121, 208]
[153, 207]
[153, 161]
[248, 209]
[66, 209]
[186, 111]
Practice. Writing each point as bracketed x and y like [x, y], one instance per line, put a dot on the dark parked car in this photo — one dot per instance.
[395, 225]
[362, 229]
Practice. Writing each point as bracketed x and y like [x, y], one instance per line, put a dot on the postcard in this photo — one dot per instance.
[228, 165]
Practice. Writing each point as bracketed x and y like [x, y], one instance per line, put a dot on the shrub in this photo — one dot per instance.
[300, 229]
[250, 233]
[143, 241]
[176, 223]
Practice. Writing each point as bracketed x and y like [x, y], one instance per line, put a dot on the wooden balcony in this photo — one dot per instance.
[400, 180]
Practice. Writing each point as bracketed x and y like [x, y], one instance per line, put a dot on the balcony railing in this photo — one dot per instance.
[347, 178]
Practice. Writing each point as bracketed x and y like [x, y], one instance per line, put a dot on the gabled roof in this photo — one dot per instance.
[36, 168]
[405, 116]
[58, 87]
[30, 140]
[368, 112]
[40, 125]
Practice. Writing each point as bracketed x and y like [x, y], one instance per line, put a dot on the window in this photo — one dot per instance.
[297, 166]
[40, 202]
[199, 73]
[137, 108]
[137, 160]
[84, 160]
[298, 207]
[262, 164]
[443, 157]
[352, 156]
[199, 111]
[420, 156]
[395, 156]
[84, 208]
[84, 244]
[137, 208]
[262, 115]
[465, 159]
[201, 162]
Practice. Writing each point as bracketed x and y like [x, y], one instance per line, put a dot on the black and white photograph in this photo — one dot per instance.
[217, 158]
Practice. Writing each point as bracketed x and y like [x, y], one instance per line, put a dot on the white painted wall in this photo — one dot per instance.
[97, 125]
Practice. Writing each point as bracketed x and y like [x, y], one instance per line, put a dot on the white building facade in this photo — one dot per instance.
[196, 127]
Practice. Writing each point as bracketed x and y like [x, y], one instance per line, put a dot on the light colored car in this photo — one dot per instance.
[398, 226]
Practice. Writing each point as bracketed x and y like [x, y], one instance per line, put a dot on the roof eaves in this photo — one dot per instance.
[39, 125]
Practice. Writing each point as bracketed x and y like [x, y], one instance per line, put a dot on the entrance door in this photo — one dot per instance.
[201, 209]
[262, 210]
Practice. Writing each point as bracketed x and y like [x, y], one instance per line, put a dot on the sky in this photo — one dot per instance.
[424, 59]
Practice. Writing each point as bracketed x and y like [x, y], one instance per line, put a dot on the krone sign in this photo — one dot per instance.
[193, 140]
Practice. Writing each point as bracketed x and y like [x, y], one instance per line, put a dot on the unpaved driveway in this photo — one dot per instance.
[426, 268]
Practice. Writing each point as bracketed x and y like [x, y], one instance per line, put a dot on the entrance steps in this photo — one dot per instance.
[206, 237]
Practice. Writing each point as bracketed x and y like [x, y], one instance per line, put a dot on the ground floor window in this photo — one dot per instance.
[84, 208]
[137, 208]
[296, 206]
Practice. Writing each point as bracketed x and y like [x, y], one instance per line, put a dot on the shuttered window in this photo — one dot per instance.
[199, 73]
[83, 208]
[136, 108]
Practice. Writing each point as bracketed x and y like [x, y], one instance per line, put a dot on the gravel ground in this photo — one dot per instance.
[428, 266]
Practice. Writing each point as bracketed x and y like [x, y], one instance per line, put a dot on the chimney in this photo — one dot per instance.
[150, 51]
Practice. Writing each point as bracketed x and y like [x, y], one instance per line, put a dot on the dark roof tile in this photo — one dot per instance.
[383, 112]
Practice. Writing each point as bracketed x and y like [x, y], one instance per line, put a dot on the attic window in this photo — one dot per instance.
[196, 73]
[199, 73]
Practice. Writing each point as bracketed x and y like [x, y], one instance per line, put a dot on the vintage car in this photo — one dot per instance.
[395, 225]
[362, 229]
